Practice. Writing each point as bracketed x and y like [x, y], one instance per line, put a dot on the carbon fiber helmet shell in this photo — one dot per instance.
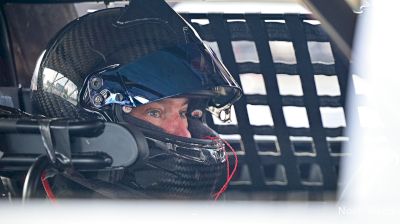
[132, 44]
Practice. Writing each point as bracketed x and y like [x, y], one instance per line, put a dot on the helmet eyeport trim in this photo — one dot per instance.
[188, 69]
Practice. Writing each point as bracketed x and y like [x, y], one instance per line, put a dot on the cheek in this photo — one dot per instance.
[165, 124]
[154, 121]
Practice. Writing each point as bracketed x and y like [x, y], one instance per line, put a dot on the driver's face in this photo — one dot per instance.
[168, 114]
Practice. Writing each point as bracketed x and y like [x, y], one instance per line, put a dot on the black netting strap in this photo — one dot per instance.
[221, 31]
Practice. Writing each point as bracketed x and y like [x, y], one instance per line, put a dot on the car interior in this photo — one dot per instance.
[288, 129]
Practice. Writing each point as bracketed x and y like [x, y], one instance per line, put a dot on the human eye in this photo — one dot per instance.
[183, 113]
[154, 113]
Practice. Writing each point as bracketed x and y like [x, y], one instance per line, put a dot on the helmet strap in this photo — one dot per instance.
[117, 113]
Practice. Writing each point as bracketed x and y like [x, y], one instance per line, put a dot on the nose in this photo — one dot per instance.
[175, 125]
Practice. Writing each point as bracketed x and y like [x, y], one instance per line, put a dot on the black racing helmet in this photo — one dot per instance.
[117, 58]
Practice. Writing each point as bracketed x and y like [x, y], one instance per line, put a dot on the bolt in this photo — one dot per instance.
[98, 100]
[96, 83]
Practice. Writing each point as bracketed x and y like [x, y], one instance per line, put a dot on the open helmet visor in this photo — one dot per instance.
[185, 69]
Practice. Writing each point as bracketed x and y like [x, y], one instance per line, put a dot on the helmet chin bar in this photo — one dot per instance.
[211, 153]
[198, 149]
